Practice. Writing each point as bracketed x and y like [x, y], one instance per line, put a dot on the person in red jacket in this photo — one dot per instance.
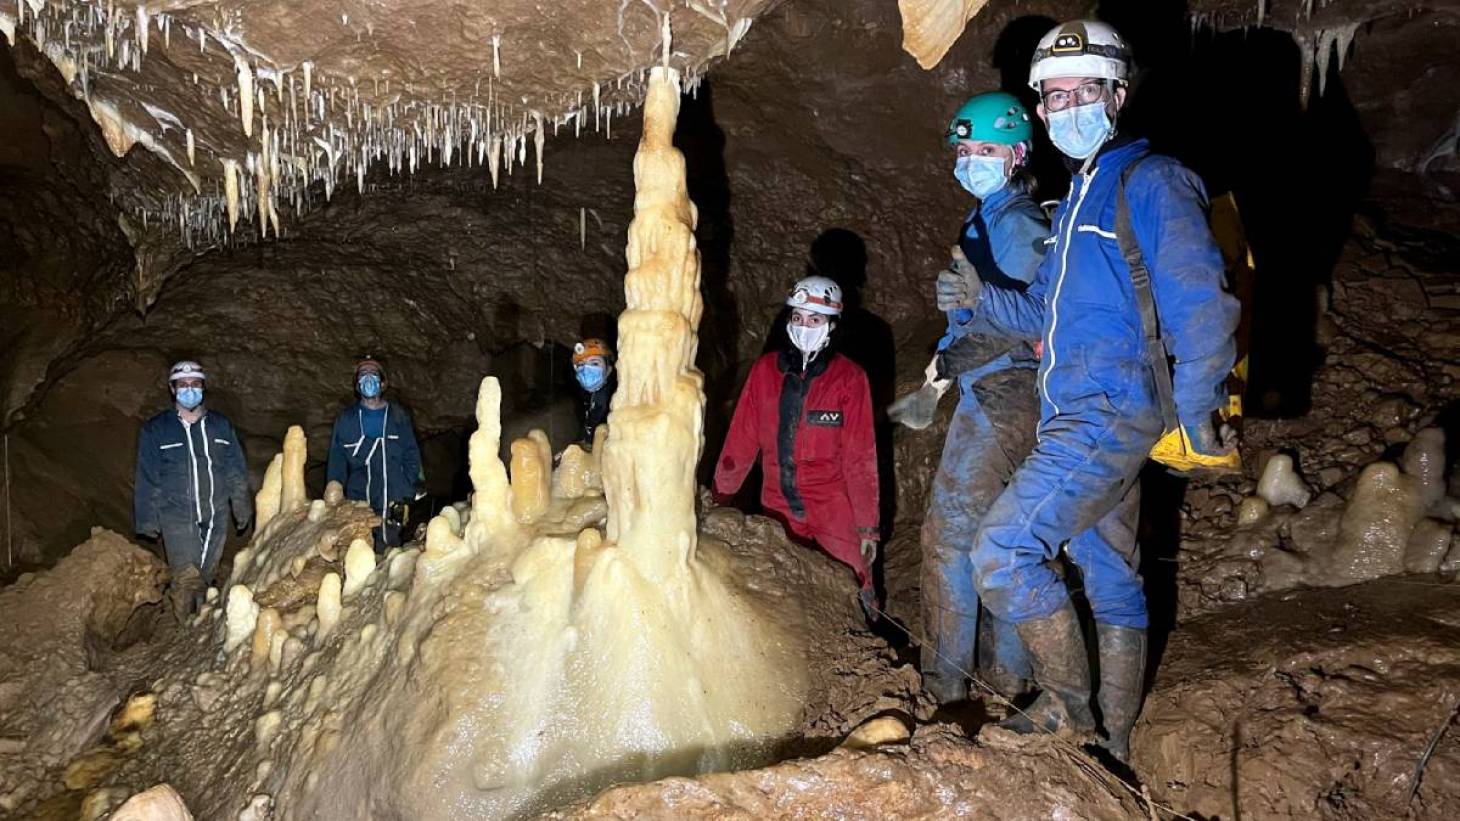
[807, 412]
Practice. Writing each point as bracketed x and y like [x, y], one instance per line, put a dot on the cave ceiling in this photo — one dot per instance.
[251, 110]
[234, 117]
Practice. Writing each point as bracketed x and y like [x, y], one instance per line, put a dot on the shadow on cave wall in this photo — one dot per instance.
[1013, 51]
[702, 141]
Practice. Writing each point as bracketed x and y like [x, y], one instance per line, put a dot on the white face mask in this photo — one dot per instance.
[809, 340]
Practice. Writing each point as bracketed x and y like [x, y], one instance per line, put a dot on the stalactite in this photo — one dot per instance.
[538, 139]
[245, 95]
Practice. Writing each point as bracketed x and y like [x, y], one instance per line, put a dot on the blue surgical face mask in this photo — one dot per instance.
[190, 397]
[591, 376]
[981, 176]
[369, 385]
[1080, 130]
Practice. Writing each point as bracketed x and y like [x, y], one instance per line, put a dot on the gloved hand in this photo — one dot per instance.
[869, 551]
[917, 409]
[243, 526]
[959, 286]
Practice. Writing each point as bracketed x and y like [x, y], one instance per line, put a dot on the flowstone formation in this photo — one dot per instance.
[1392, 518]
[525, 657]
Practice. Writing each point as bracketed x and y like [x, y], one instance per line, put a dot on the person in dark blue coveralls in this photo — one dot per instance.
[993, 428]
[190, 475]
[1100, 410]
[373, 453]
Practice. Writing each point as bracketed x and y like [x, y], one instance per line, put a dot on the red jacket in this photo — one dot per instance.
[814, 436]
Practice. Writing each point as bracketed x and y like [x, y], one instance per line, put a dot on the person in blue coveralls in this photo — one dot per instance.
[190, 475]
[373, 453]
[1102, 393]
[1002, 239]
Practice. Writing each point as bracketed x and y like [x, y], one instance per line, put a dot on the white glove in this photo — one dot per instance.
[917, 409]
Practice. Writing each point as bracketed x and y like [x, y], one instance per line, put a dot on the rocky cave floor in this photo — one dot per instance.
[1275, 694]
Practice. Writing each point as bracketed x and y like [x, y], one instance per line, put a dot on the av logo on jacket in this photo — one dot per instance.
[824, 418]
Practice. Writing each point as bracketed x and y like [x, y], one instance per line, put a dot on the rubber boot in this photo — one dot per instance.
[1057, 654]
[1003, 664]
[185, 594]
[1122, 674]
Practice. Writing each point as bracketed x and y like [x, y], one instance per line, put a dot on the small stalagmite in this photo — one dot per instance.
[327, 606]
[242, 614]
[491, 508]
[295, 452]
[576, 475]
[271, 493]
[161, 803]
[359, 564]
[267, 626]
[1280, 484]
[531, 477]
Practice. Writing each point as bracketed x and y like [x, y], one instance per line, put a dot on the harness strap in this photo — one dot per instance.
[1140, 277]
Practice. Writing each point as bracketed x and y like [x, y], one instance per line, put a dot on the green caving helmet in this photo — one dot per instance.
[996, 117]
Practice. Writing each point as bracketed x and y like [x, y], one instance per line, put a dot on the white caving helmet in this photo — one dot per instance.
[186, 369]
[817, 294]
[1080, 48]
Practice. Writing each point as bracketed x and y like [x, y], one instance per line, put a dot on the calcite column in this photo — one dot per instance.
[655, 427]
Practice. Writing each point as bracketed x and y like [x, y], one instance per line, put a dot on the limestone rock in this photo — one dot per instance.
[161, 803]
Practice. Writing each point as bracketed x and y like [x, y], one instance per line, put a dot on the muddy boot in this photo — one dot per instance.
[1057, 654]
[1122, 673]
[185, 592]
[1003, 663]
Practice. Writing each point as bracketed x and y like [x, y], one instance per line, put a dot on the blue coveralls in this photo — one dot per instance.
[188, 477]
[989, 435]
[376, 465]
[1100, 414]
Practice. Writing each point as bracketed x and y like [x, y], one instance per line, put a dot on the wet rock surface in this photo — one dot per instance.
[63, 629]
[1319, 703]
[939, 774]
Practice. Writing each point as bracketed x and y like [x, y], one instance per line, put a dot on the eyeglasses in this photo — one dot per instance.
[1084, 94]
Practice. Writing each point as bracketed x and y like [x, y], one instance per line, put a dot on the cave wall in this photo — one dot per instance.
[64, 260]
[821, 140]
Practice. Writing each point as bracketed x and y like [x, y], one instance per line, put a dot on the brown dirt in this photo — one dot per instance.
[1311, 704]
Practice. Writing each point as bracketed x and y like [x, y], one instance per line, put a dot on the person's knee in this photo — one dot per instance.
[1021, 588]
[1123, 605]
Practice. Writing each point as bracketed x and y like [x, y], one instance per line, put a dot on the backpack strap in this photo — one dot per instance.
[1140, 277]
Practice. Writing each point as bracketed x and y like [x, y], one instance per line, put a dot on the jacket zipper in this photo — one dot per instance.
[1070, 219]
